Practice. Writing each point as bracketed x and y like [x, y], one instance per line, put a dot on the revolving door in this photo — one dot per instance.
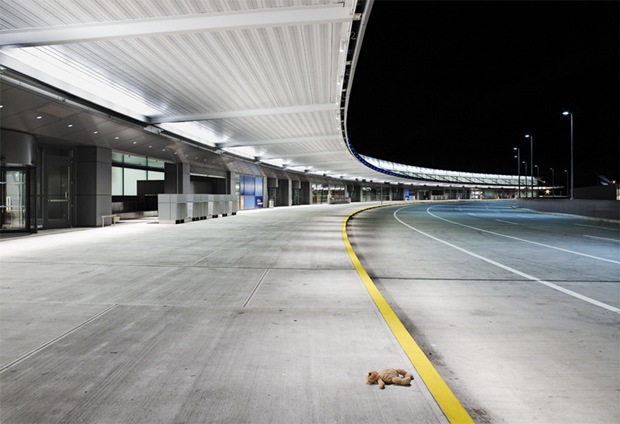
[15, 199]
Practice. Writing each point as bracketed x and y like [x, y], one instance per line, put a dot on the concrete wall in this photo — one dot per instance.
[17, 148]
[93, 185]
[177, 178]
[596, 192]
[603, 209]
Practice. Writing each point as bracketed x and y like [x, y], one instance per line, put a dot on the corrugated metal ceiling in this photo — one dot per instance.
[260, 79]
[265, 80]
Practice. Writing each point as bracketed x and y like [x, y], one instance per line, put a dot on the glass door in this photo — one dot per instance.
[14, 198]
[57, 192]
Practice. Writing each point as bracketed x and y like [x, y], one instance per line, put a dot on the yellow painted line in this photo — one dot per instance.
[447, 401]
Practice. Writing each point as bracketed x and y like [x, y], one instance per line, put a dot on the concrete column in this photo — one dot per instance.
[286, 192]
[272, 188]
[306, 193]
[176, 178]
[356, 193]
[400, 193]
[232, 180]
[93, 185]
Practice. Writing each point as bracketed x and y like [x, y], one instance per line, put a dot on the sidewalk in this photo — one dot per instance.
[254, 318]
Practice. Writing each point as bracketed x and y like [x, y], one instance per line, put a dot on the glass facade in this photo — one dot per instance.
[325, 193]
[127, 170]
[250, 192]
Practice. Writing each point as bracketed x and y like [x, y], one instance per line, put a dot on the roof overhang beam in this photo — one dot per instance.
[248, 113]
[310, 139]
[295, 156]
[170, 25]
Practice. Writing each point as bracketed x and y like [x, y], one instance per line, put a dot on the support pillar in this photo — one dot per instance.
[93, 185]
[306, 193]
[176, 178]
[286, 192]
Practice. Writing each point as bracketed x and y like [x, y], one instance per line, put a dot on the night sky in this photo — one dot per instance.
[457, 85]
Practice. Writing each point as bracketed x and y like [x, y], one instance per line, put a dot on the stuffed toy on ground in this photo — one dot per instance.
[389, 376]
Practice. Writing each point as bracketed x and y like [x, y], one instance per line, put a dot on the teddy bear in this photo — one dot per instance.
[389, 376]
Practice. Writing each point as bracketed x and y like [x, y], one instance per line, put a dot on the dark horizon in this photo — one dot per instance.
[458, 85]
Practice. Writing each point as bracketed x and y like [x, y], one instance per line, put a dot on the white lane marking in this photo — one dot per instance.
[523, 240]
[507, 222]
[602, 238]
[594, 226]
[514, 271]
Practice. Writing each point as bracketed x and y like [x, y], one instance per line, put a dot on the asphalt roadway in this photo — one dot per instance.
[264, 317]
[517, 310]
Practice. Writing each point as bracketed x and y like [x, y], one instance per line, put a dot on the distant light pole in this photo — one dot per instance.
[552, 183]
[531, 137]
[572, 169]
[518, 157]
[566, 172]
[525, 163]
[537, 180]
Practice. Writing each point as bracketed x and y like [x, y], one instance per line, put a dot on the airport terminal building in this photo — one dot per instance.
[299, 265]
[101, 113]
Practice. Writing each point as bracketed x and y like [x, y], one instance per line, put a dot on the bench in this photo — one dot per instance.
[113, 219]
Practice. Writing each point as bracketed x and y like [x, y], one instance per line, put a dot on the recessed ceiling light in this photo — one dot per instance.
[39, 117]
[70, 125]
[115, 138]
[134, 142]
[95, 132]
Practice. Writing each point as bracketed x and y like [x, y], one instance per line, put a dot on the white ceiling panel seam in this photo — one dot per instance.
[168, 25]
[271, 90]
[240, 114]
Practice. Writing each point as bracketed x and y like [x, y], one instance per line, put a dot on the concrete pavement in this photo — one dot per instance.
[254, 318]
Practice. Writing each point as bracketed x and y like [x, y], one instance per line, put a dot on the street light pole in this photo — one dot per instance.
[572, 169]
[518, 157]
[531, 137]
[566, 172]
[525, 163]
[552, 183]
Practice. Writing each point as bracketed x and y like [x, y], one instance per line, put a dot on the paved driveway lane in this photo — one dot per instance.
[582, 237]
[555, 253]
[512, 349]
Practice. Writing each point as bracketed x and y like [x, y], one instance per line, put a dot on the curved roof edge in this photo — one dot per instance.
[409, 172]
[431, 175]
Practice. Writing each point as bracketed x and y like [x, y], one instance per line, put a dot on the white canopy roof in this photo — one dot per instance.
[266, 80]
